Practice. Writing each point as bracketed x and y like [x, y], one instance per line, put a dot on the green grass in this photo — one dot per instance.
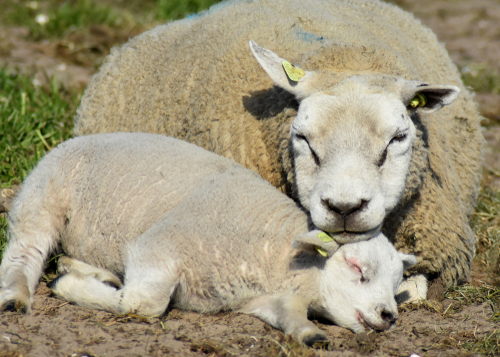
[474, 295]
[482, 78]
[56, 19]
[176, 9]
[3, 235]
[486, 224]
[487, 346]
[32, 120]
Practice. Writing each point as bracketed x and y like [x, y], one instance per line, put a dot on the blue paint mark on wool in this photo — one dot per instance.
[307, 36]
[195, 15]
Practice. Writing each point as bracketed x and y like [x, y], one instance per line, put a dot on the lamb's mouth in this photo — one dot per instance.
[351, 237]
[367, 325]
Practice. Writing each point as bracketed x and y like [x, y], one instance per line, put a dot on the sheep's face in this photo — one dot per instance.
[358, 284]
[352, 142]
[352, 154]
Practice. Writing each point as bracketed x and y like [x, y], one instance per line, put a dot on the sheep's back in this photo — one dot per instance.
[196, 79]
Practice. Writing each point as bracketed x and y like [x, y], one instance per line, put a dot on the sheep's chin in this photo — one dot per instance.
[351, 237]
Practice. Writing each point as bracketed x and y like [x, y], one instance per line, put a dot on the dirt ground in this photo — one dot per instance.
[439, 327]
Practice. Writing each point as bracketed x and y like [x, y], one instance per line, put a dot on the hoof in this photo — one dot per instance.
[52, 284]
[317, 341]
[15, 306]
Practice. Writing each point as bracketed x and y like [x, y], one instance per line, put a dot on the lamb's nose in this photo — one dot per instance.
[388, 316]
[344, 209]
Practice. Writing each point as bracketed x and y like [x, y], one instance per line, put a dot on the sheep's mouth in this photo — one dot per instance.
[347, 236]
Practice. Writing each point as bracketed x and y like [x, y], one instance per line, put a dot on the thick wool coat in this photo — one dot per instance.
[196, 79]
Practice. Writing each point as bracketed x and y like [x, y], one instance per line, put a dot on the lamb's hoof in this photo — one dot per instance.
[15, 306]
[53, 283]
[317, 341]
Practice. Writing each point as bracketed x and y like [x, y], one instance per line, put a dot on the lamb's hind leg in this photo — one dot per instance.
[146, 295]
[66, 265]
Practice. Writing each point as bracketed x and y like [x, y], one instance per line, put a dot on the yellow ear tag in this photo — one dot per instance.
[325, 238]
[293, 73]
[419, 100]
[322, 251]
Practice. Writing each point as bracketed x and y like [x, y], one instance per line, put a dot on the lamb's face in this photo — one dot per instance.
[352, 151]
[359, 282]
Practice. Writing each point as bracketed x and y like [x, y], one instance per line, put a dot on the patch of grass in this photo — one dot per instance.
[56, 19]
[469, 295]
[32, 121]
[285, 346]
[177, 9]
[489, 345]
[486, 224]
[3, 235]
[482, 78]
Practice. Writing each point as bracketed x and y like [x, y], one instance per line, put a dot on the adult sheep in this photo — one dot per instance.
[188, 228]
[323, 139]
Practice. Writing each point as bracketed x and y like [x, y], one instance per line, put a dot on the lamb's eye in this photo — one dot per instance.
[362, 279]
[301, 137]
[315, 157]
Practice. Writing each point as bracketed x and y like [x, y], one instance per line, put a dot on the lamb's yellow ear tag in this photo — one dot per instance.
[321, 251]
[325, 238]
[419, 100]
[293, 73]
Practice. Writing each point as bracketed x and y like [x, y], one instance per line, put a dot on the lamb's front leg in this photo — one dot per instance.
[288, 312]
[22, 266]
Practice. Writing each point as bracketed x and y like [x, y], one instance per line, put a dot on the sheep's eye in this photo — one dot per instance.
[315, 157]
[399, 137]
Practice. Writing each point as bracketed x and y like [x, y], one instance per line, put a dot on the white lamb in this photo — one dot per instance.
[182, 226]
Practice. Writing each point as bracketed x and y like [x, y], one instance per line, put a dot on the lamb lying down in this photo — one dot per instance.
[178, 225]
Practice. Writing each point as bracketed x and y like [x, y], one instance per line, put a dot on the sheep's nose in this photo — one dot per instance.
[388, 316]
[344, 208]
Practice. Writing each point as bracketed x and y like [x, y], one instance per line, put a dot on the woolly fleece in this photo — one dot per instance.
[196, 79]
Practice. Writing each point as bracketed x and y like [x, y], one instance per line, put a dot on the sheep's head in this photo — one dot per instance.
[352, 142]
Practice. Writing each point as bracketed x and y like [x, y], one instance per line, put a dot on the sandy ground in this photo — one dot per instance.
[439, 327]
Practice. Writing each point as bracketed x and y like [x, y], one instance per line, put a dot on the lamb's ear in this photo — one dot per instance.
[282, 73]
[428, 99]
[409, 260]
[316, 241]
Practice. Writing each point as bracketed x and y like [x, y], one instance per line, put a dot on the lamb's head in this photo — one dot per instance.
[352, 142]
[359, 281]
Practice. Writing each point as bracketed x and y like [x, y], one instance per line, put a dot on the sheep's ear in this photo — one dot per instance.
[428, 99]
[316, 241]
[409, 260]
[282, 73]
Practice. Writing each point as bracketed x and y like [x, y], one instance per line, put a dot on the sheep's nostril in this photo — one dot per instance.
[346, 208]
[387, 316]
